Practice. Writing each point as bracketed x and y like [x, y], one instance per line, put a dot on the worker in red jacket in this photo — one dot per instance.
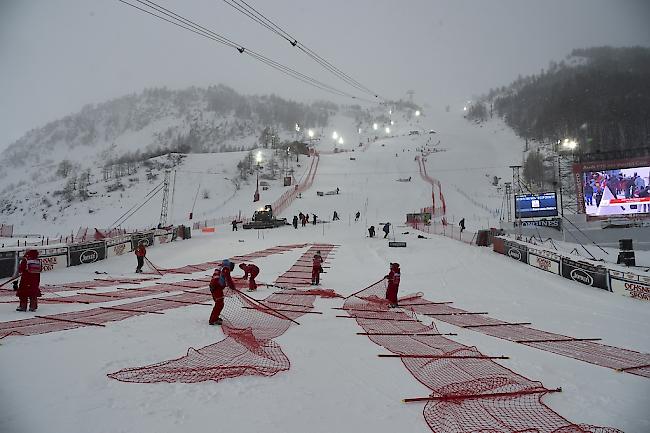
[140, 253]
[393, 278]
[316, 268]
[250, 271]
[220, 280]
[30, 279]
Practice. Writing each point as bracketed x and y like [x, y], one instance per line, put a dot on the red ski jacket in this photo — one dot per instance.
[221, 279]
[251, 269]
[140, 251]
[30, 277]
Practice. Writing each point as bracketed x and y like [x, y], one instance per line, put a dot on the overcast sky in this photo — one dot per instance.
[57, 55]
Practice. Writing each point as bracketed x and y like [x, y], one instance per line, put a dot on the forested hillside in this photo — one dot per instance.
[599, 97]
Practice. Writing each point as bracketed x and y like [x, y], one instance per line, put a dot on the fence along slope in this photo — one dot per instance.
[469, 392]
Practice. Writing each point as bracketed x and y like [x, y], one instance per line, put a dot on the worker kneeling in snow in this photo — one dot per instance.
[220, 280]
[250, 271]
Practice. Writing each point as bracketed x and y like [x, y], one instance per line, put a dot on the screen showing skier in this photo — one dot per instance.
[619, 191]
[535, 205]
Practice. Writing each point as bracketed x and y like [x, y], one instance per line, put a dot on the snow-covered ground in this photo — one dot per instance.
[57, 382]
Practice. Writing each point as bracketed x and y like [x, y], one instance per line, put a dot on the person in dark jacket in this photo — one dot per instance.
[589, 194]
[140, 254]
[30, 278]
[295, 222]
[313, 221]
[357, 215]
[371, 231]
[386, 230]
[336, 216]
[234, 225]
[220, 280]
[461, 224]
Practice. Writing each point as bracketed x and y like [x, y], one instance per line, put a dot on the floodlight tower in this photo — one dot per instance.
[165, 201]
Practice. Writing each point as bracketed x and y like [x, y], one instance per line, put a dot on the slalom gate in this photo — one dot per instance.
[248, 349]
[469, 391]
[583, 349]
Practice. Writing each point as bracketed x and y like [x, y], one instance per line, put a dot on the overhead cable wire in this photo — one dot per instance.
[255, 15]
[193, 27]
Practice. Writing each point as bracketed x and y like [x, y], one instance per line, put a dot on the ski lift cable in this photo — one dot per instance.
[189, 25]
[195, 197]
[139, 207]
[134, 209]
[261, 19]
[126, 215]
[129, 210]
[209, 34]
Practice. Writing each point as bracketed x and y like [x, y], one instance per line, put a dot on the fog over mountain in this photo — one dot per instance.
[59, 56]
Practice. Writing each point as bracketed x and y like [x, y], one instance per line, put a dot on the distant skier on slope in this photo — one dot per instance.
[220, 280]
[371, 231]
[252, 271]
[357, 215]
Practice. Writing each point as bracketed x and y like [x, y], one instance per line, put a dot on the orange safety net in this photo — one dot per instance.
[250, 326]
[583, 349]
[469, 391]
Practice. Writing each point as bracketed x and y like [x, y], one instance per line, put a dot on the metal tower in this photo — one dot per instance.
[165, 201]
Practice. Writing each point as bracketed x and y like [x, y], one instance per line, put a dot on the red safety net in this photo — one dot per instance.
[470, 392]
[585, 350]
[248, 349]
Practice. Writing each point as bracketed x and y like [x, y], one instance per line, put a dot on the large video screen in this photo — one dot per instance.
[535, 205]
[622, 191]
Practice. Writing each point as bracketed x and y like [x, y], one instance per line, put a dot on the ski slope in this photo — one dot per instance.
[57, 382]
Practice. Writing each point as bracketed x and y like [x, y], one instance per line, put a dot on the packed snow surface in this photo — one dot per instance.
[57, 382]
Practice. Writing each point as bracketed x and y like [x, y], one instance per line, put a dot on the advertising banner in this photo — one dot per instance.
[118, 246]
[7, 264]
[628, 284]
[90, 252]
[544, 260]
[516, 251]
[498, 245]
[163, 237]
[147, 238]
[584, 273]
[53, 258]
[555, 223]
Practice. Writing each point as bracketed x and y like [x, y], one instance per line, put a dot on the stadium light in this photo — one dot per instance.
[392, 123]
[340, 140]
[297, 128]
[569, 143]
[258, 157]
[387, 130]
[335, 135]
[310, 133]
[375, 126]
[417, 112]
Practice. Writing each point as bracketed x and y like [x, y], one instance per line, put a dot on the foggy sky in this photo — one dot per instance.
[58, 55]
